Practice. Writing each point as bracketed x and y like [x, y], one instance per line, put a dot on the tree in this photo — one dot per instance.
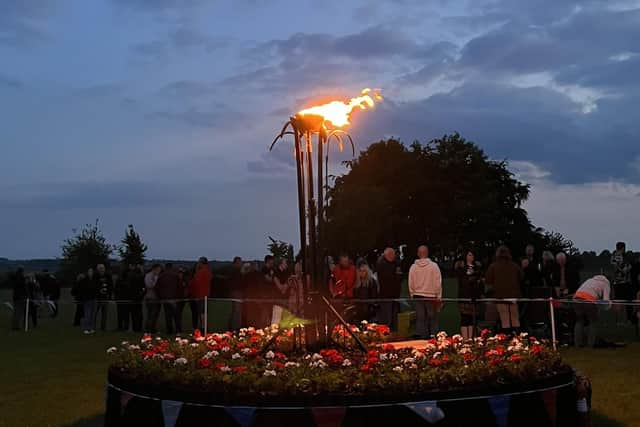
[87, 248]
[446, 193]
[280, 249]
[132, 250]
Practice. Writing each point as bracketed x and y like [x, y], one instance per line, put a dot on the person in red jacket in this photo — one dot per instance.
[199, 288]
[343, 278]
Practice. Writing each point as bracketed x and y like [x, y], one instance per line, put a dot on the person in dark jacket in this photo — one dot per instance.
[548, 267]
[169, 288]
[389, 280]
[51, 290]
[366, 287]
[566, 276]
[504, 277]
[86, 292]
[234, 288]
[468, 272]
[20, 296]
[130, 291]
[104, 286]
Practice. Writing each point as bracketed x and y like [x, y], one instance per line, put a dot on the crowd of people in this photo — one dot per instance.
[363, 290]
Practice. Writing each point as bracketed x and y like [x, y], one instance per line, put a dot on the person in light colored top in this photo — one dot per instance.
[592, 291]
[425, 285]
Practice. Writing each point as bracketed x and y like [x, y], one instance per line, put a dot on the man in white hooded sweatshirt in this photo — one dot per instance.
[425, 285]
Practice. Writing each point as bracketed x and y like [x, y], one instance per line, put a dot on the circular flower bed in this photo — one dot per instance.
[240, 369]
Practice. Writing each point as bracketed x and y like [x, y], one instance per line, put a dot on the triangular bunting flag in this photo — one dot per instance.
[243, 415]
[428, 410]
[170, 412]
[500, 407]
[550, 398]
[124, 401]
[328, 417]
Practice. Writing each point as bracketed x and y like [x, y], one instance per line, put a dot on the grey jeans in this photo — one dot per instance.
[426, 316]
[89, 315]
[586, 323]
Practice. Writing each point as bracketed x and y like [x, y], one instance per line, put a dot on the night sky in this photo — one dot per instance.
[159, 112]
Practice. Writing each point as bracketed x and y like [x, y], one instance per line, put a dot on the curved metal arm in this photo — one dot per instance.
[282, 133]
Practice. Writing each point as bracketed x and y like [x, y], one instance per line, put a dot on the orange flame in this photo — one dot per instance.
[338, 112]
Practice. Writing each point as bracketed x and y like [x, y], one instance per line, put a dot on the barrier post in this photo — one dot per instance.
[553, 323]
[206, 315]
[26, 315]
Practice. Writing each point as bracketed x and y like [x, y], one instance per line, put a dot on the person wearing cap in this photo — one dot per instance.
[594, 290]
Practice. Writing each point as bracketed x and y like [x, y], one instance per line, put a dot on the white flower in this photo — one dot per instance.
[210, 354]
[316, 356]
[181, 361]
[225, 349]
[124, 343]
[417, 354]
[408, 360]
[158, 339]
[436, 355]
[225, 368]
[158, 356]
[318, 364]
[269, 373]
[291, 365]
[184, 342]
[246, 350]
[398, 369]
[134, 347]
[413, 366]
[236, 356]
[346, 363]
[383, 356]
[441, 335]
[364, 322]
[393, 356]
[111, 350]
[270, 355]
[195, 344]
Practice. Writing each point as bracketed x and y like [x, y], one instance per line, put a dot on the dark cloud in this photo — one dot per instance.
[22, 22]
[10, 82]
[124, 194]
[155, 51]
[198, 118]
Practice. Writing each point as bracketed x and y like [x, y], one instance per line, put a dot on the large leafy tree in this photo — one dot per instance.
[446, 192]
[132, 249]
[85, 249]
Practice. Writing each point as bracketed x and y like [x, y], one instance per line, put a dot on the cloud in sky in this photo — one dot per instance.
[161, 113]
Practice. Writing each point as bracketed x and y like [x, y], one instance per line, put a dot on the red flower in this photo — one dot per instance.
[197, 333]
[388, 347]
[495, 361]
[515, 358]
[239, 369]
[537, 349]
[365, 368]
[204, 363]
[277, 365]
[148, 353]
[468, 357]
[484, 333]
[372, 361]
[146, 337]
[383, 329]
[373, 353]
[254, 339]
[501, 337]
[281, 356]
[240, 345]
[500, 350]
[435, 362]
[220, 365]
[444, 358]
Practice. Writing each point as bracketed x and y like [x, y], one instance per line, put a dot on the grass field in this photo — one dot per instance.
[55, 376]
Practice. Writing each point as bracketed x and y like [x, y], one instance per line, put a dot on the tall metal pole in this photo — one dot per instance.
[301, 202]
[320, 215]
[312, 214]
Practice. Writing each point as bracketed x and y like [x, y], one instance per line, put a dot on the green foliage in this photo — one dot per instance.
[84, 250]
[447, 193]
[132, 250]
[280, 249]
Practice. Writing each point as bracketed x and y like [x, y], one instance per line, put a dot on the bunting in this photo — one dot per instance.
[550, 398]
[328, 417]
[428, 410]
[500, 407]
[243, 415]
[170, 412]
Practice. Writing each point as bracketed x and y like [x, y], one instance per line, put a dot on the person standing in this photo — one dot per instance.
[20, 297]
[366, 288]
[469, 287]
[343, 278]
[199, 288]
[104, 285]
[87, 293]
[566, 278]
[504, 277]
[586, 298]
[234, 286]
[425, 286]
[185, 278]
[151, 298]
[267, 290]
[531, 268]
[548, 268]
[123, 305]
[622, 280]
[168, 288]
[390, 286]
[51, 290]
